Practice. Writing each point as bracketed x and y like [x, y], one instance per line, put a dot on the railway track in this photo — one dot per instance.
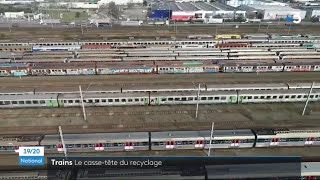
[126, 80]
[151, 32]
[156, 126]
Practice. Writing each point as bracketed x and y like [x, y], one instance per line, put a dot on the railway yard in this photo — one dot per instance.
[160, 97]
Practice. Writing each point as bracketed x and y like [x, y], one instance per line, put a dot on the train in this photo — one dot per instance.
[166, 140]
[190, 87]
[56, 100]
[132, 44]
[173, 67]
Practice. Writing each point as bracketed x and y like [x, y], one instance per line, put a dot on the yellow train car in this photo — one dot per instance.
[228, 36]
[15, 48]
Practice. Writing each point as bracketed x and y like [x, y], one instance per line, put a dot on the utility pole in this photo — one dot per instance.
[198, 97]
[83, 108]
[289, 29]
[62, 140]
[267, 28]
[307, 101]
[211, 134]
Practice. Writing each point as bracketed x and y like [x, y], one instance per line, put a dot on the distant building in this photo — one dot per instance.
[312, 11]
[192, 10]
[274, 12]
[237, 3]
[13, 15]
[119, 2]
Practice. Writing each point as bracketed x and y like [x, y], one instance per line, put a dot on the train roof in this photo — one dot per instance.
[109, 95]
[75, 89]
[28, 97]
[211, 93]
[63, 65]
[274, 92]
[162, 87]
[20, 140]
[175, 134]
[104, 137]
[301, 63]
[303, 85]
[246, 86]
[227, 133]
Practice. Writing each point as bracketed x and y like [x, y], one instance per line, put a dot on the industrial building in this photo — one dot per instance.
[312, 11]
[192, 10]
[119, 2]
[13, 15]
[237, 3]
[274, 12]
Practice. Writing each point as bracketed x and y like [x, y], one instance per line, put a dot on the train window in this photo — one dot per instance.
[203, 98]
[129, 100]
[35, 102]
[123, 100]
[163, 99]
[280, 97]
[14, 102]
[256, 97]
[311, 96]
[274, 97]
[210, 98]
[42, 102]
[170, 99]
[90, 101]
[190, 98]
[116, 100]
[184, 99]
[268, 97]
[103, 100]
[70, 101]
[176, 99]
[263, 140]
[141, 99]
[286, 97]
[136, 100]
[77, 101]
[65, 101]
[249, 97]
[1, 103]
[97, 100]
[316, 96]
[21, 102]
[111, 100]
[305, 96]
[223, 98]
[293, 96]
[299, 96]
[216, 98]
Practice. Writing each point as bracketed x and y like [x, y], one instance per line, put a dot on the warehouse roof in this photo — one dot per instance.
[274, 8]
[190, 6]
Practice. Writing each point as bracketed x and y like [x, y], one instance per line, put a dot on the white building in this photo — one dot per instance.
[13, 14]
[275, 11]
[237, 3]
[16, 1]
[119, 2]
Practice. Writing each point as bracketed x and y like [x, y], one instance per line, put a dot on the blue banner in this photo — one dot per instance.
[31, 160]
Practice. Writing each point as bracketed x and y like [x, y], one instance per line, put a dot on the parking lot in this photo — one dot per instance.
[135, 13]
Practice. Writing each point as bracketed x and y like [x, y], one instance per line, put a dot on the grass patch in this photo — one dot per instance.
[68, 16]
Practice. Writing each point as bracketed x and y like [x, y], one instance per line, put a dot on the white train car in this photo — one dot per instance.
[163, 88]
[225, 139]
[258, 40]
[299, 53]
[303, 85]
[272, 138]
[107, 141]
[256, 36]
[112, 99]
[202, 54]
[100, 55]
[269, 96]
[25, 101]
[275, 45]
[301, 57]
[56, 48]
[129, 59]
[252, 53]
[253, 57]
[153, 55]
[198, 58]
[285, 49]
[214, 97]
[244, 49]
[176, 140]
[12, 143]
[240, 87]
[301, 67]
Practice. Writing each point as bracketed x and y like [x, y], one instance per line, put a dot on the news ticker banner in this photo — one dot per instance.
[213, 167]
[147, 162]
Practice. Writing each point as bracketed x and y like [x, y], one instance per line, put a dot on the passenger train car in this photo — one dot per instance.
[168, 140]
[158, 98]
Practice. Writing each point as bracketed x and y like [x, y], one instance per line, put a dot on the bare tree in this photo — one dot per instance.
[113, 10]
